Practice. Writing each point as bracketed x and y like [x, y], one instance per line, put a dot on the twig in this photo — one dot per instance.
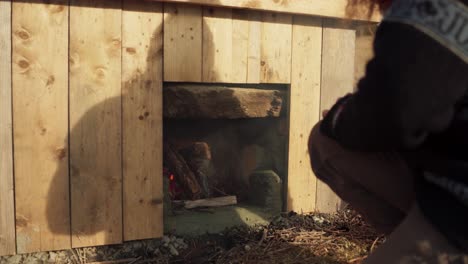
[75, 255]
[134, 261]
[357, 259]
[264, 235]
[373, 244]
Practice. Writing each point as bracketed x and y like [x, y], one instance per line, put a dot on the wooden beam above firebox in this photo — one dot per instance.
[212, 102]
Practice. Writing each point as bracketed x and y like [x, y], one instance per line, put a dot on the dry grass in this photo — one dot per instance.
[343, 238]
[290, 238]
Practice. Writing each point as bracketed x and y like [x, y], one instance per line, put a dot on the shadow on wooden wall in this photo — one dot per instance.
[114, 135]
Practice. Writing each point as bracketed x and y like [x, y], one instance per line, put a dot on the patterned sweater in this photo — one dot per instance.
[414, 99]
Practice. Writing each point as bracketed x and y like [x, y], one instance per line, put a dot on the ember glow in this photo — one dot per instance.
[174, 190]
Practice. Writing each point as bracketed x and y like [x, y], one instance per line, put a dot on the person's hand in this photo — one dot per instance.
[324, 113]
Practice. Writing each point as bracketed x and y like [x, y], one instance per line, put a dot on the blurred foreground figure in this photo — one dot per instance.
[397, 149]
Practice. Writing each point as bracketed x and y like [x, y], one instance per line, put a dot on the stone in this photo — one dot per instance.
[33, 260]
[53, 257]
[266, 190]
[173, 250]
[166, 239]
[17, 259]
[43, 256]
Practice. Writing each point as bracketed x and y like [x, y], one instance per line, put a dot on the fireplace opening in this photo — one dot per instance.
[224, 155]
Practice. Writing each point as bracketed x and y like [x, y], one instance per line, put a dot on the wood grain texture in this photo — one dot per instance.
[7, 200]
[95, 122]
[182, 101]
[304, 111]
[40, 104]
[276, 48]
[217, 45]
[337, 80]
[142, 44]
[365, 35]
[183, 43]
[254, 49]
[325, 8]
[240, 45]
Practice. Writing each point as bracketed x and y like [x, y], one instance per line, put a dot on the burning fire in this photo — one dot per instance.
[174, 190]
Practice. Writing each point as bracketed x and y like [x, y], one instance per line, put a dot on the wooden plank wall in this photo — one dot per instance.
[237, 46]
[40, 103]
[276, 48]
[95, 123]
[7, 204]
[142, 40]
[337, 80]
[304, 110]
[87, 107]
[63, 107]
[183, 43]
[316, 59]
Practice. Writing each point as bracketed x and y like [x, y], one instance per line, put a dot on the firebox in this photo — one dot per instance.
[225, 152]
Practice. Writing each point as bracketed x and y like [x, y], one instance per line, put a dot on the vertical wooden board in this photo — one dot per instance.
[95, 122]
[217, 44]
[276, 48]
[255, 39]
[183, 43]
[142, 42]
[7, 202]
[240, 45]
[337, 80]
[40, 104]
[304, 111]
[364, 50]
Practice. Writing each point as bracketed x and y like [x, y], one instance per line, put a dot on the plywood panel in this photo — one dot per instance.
[240, 45]
[142, 40]
[183, 43]
[40, 104]
[304, 111]
[325, 8]
[337, 80]
[276, 48]
[217, 45]
[7, 203]
[95, 122]
[255, 39]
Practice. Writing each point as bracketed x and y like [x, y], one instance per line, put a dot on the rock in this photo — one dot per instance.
[166, 239]
[33, 260]
[266, 190]
[318, 220]
[43, 256]
[53, 257]
[62, 256]
[173, 250]
[17, 259]
[247, 248]
[137, 245]
[157, 252]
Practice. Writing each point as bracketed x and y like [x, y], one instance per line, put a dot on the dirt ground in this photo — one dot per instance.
[290, 238]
